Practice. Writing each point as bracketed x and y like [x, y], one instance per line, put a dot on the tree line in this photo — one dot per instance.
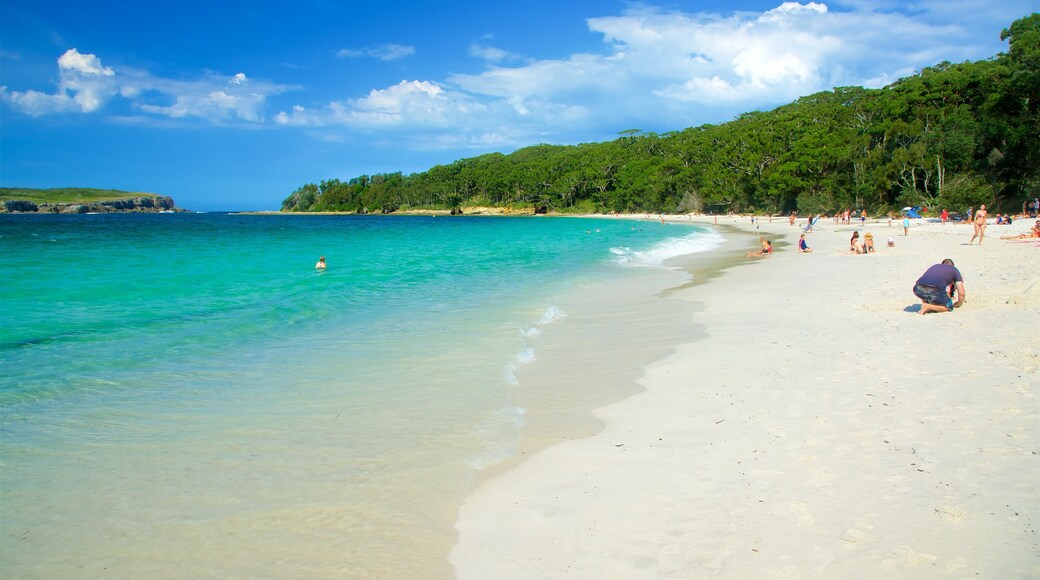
[952, 135]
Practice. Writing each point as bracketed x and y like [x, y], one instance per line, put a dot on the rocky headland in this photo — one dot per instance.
[152, 204]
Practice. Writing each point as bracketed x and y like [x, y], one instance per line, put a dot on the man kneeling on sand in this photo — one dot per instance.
[933, 288]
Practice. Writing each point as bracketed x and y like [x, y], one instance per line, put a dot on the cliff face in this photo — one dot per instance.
[134, 204]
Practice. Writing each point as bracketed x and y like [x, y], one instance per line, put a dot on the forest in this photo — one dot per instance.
[952, 135]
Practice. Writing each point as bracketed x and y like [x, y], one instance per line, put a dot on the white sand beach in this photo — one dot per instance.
[821, 429]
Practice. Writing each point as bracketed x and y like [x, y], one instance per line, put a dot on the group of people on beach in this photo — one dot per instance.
[864, 246]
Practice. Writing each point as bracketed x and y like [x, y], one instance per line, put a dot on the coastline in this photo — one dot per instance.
[820, 427]
[570, 381]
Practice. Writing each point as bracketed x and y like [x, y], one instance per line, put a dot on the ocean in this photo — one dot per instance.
[185, 395]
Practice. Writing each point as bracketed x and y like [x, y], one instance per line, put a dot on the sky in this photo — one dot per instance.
[233, 105]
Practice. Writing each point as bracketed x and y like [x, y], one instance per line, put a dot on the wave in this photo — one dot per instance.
[527, 355]
[700, 241]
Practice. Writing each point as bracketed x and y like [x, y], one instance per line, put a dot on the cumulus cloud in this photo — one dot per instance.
[656, 68]
[663, 68]
[386, 52]
[86, 86]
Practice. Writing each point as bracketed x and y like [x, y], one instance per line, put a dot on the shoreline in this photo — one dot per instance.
[820, 428]
[647, 308]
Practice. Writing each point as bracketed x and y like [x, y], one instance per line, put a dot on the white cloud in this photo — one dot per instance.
[657, 69]
[666, 69]
[87, 86]
[492, 54]
[386, 52]
[84, 86]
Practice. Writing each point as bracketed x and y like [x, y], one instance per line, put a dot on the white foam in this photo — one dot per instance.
[701, 241]
[526, 356]
[529, 331]
[552, 314]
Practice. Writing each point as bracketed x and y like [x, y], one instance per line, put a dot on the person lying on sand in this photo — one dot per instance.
[1034, 232]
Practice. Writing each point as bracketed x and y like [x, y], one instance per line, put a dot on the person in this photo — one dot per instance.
[792, 216]
[945, 216]
[321, 263]
[855, 245]
[1034, 232]
[868, 243]
[933, 288]
[980, 225]
[906, 225]
[766, 250]
[863, 217]
[802, 246]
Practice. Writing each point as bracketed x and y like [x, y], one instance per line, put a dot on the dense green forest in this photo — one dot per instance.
[951, 136]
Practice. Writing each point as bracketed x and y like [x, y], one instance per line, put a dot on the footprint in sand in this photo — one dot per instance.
[909, 557]
[951, 514]
[854, 536]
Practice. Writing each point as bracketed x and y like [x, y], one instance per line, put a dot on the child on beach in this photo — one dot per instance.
[767, 249]
[802, 246]
[868, 243]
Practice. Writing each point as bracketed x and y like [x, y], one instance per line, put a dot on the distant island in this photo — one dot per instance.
[77, 200]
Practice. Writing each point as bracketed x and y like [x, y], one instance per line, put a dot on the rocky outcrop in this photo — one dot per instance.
[133, 204]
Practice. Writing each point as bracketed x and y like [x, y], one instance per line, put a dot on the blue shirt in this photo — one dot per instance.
[940, 276]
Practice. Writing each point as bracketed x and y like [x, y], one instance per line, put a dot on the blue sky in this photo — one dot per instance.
[233, 105]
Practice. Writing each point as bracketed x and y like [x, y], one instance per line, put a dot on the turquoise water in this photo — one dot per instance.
[184, 394]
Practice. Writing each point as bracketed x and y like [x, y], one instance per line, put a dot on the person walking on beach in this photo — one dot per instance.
[980, 225]
[945, 216]
[933, 288]
[906, 225]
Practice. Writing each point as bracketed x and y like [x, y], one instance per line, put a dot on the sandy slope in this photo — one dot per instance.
[822, 429]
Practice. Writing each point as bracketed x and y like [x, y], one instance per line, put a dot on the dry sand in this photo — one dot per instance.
[821, 429]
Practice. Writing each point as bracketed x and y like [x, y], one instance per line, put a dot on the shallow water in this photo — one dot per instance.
[184, 395]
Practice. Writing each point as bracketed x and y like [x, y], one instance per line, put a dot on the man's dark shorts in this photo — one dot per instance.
[933, 295]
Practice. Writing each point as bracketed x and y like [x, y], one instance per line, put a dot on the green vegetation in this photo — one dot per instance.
[952, 135]
[67, 195]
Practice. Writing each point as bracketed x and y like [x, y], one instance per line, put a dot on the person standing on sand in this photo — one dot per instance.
[980, 225]
[933, 288]
[945, 216]
[906, 225]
